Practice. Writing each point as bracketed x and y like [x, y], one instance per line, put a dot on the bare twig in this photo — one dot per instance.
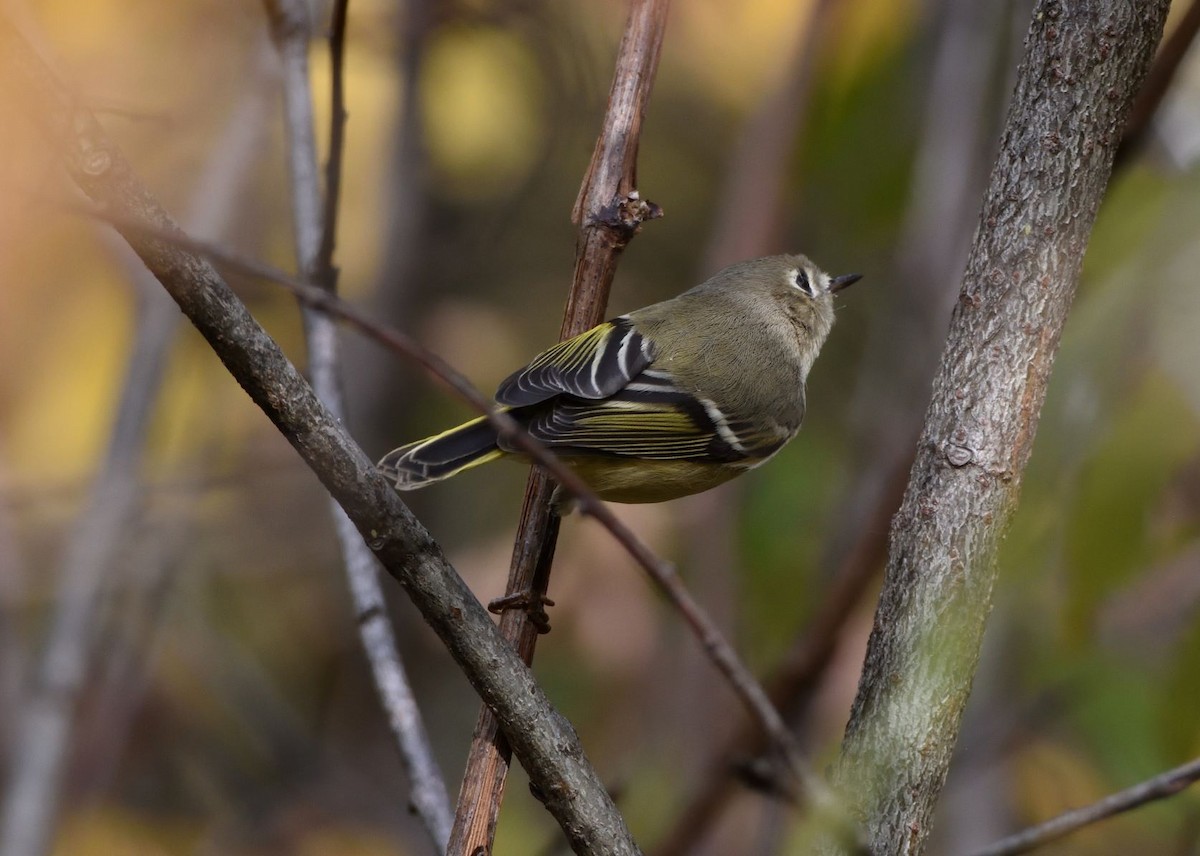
[1160, 787]
[315, 229]
[548, 747]
[1050, 175]
[337, 142]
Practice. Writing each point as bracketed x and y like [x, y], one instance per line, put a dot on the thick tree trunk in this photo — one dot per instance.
[1084, 61]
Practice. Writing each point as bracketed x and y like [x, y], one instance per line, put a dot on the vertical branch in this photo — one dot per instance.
[315, 239]
[608, 212]
[1082, 67]
[337, 143]
[34, 782]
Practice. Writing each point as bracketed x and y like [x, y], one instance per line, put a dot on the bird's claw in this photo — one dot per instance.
[531, 603]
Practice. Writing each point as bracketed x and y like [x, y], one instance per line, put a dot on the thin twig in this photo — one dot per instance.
[545, 742]
[337, 143]
[1160, 787]
[315, 228]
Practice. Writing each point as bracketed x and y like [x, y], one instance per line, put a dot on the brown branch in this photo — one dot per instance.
[548, 747]
[1083, 64]
[608, 213]
[326, 272]
[1160, 787]
[315, 227]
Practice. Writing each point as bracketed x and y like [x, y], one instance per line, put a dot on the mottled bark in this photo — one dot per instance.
[1083, 64]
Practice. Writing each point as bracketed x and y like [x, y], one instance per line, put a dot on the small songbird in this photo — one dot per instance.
[667, 401]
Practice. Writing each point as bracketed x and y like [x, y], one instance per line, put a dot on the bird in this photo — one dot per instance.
[665, 401]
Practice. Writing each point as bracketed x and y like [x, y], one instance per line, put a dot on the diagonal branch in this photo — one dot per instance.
[315, 227]
[544, 741]
[1160, 787]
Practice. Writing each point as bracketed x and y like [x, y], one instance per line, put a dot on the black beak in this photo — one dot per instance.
[839, 282]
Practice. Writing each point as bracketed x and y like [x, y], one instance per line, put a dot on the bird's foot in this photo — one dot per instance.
[531, 603]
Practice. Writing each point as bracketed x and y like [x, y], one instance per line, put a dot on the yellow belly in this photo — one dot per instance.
[635, 480]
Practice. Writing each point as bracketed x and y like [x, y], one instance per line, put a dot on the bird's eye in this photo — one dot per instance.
[802, 282]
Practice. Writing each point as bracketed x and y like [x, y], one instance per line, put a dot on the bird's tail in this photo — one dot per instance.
[442, 455]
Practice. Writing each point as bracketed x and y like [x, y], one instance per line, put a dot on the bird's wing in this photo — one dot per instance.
[651, 417]
[592, 365]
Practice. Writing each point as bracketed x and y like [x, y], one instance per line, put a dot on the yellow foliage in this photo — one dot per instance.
[481, 102]
[109, 831]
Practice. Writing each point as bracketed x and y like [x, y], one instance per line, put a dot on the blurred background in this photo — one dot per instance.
[218, 695]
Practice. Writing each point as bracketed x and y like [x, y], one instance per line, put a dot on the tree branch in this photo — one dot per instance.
[548, 747]
[1160, 787]
[315, 227]
[1082, 67]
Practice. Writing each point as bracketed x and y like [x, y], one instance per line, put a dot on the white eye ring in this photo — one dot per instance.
[799, 280]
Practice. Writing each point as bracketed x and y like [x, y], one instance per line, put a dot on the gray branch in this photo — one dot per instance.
[291, 30]
[542, 739]
[1084, 61]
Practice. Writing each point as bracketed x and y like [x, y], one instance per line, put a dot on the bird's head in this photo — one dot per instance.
[802, 291]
